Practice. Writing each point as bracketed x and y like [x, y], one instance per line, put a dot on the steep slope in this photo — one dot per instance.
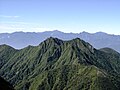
[20, 40]
[4, 85]
[6, 52]
[61, 65]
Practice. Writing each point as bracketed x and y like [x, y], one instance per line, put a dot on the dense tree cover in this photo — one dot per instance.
[61, 65]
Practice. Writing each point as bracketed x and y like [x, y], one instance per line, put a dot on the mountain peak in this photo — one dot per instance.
[76, 43]
[52, 41]
[5, 46]
[56, 31]
[100, 33]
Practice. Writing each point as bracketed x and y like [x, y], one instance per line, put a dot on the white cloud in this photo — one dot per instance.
[41, 29]
[22, 26]
[10, 27]
[7, 16]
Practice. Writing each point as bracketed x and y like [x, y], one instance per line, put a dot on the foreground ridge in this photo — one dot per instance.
[61, 65]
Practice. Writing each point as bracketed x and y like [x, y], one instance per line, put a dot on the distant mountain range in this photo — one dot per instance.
[20, 40]
[61, 65]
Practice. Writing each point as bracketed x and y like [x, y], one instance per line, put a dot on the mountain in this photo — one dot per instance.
[4, 85]
[61, 65]
[20, 40]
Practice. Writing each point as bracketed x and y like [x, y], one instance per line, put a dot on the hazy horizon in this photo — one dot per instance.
[58, 31]
[64, 15]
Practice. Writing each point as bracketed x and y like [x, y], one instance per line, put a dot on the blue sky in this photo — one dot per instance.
[64, 15]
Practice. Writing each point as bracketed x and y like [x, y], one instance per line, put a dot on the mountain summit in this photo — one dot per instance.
[61, 65]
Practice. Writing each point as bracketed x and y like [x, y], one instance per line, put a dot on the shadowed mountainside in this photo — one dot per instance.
[4, 85]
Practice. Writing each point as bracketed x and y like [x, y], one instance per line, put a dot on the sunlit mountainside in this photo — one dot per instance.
[61, 65]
